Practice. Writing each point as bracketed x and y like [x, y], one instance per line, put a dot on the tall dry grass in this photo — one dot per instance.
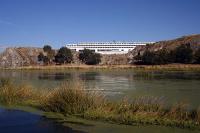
[15, 94]
[74, 99]
[147, 110]
[71, 98]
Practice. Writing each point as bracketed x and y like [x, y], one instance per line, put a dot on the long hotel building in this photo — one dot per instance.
[107, 47]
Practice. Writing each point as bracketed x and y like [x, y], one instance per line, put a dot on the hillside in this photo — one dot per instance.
[16, 57]
[194, 41]
[27, 56]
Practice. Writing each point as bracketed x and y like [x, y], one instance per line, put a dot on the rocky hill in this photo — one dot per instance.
[193, 40]
[16, 57]
[27, 56]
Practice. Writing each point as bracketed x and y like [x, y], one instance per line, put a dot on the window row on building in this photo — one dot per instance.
[106, 47]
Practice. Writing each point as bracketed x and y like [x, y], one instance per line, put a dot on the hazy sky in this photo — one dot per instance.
[56, 22]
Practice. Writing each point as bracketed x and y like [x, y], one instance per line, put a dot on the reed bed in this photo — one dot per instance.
[71, 98]
[74, 99]
[11, 94]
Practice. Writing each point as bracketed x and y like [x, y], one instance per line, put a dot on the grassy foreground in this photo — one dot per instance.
[73, 100]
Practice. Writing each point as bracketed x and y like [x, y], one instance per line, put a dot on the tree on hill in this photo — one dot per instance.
[50, 54]
[95, 59]
[59, 59]
[47, 48]
[197, 56]
[46, 60]
[64, 55]
[161, 57]
[171, 56]
[40, 57]
[89, 57]
[148, 57]
[85, 55]
[183, 54]
[138, 59]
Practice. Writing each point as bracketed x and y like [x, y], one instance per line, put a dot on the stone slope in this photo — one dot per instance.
[16, 57]
[194, 41]
[27, 56]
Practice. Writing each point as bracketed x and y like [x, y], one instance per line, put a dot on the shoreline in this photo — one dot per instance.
[168, 67]
[94, 125]
[72, 100]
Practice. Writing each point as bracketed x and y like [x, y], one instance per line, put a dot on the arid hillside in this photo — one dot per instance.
[21, 56]
[27, 56]
[193, 40]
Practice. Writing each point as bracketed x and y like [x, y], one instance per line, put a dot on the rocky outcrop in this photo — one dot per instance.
[114, 59]
[17, 57]
[193, 40]
[26, 56]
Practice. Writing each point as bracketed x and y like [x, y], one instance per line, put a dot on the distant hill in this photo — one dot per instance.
[27, 56]
[193, 40]
[21, 56]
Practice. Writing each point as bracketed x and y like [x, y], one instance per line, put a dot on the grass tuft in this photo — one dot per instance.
[17, 94]
[70, 98]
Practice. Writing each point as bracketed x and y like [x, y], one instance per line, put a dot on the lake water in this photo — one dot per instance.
[173, 86]
[15, 121]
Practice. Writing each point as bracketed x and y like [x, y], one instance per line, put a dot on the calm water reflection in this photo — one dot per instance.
[13, 121]
[173, 86]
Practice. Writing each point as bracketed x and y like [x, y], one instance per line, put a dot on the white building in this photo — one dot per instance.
[107, 47]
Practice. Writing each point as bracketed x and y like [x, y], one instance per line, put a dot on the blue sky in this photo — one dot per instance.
[56, 22]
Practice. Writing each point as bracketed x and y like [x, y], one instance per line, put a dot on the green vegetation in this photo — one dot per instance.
[153, 58]
[181, 54]
[197, 56]
[22, 94]
[74, 100]
[89, 57]
[40, 57]
[64, 55]
[47, 48]
[49, 55]
[71, 99]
